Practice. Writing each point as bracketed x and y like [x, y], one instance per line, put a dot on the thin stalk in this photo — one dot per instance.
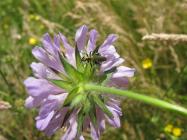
[6, 81]
[136, 96]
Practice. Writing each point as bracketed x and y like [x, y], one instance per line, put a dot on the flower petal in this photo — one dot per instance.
[72, 130]
[42, 123]
[92, 41]
[56, 122]
[115, 120]
[48, 45]
[50, 60]
[120, 82]
[31, 102]
[123, 71]
[40, 87]
[94, 134]
[110, 64]
[69, 51]
[39, 70]
[108, 42]
[80, 37]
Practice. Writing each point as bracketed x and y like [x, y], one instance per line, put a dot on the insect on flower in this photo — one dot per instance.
[57, 87]
[93, 58]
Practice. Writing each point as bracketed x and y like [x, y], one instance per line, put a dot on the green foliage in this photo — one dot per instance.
[130, 19]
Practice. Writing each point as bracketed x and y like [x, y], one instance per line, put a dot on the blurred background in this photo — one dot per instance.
[160, 66]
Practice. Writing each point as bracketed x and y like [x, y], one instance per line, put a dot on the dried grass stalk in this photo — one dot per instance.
[162, 37]
[4, 105]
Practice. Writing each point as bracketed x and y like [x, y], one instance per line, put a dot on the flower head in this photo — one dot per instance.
[33, 17]
[57, 88]
[147, 63]
[177, 132]
[168, 128]
[32, 41]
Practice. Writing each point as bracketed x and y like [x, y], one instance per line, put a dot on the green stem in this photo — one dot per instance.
[136, 96]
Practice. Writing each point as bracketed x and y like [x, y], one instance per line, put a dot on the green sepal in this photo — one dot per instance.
[80, 120]
[107, 78]
[92, 112]
[77, 100]
[102, 105]
[71, 96]
[62, 84]
[70, 70]
[87, 105]
[79, 63]
[88, 72]
[107, 75]
[66, 117]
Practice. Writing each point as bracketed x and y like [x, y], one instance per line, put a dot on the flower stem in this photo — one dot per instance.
[136, 96]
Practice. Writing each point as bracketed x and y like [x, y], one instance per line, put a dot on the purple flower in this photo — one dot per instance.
[56, 89]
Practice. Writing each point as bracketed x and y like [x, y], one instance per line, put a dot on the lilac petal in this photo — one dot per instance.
[115, 106]
[80, 37]
[60, 98]
[120, 82]
[108, 42]
[108, 51]
[81, 138]
[39, 70]
[92, 41]
[67, 46]
[53, 102]
[48, 107]
[86, 123]
[97, 130]
[69, 51]
[100, 120]
[40, 87]
[56, 43]
[31, 102]
[94, 134]
[115, 120]
[123, 71]
[40, 54]
[50, 60]
[42, 123]
[48, 45]
[56, 122]
[110, 64]
[72, 130]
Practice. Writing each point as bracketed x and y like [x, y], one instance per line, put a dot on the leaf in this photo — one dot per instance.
[70, 70]
[102, 105]
[79, 63]
[62, 84]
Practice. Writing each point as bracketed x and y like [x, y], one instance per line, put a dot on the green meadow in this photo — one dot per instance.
[161, 66]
